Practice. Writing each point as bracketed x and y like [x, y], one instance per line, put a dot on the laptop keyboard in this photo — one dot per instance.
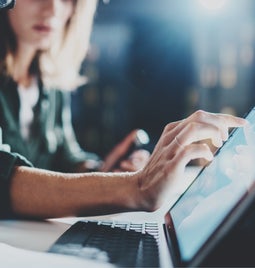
[121, 243]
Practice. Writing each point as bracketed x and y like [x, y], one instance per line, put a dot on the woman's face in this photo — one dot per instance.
[38, 22]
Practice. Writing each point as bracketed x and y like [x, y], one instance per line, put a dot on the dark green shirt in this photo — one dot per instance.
[52, 144]
[7, 163]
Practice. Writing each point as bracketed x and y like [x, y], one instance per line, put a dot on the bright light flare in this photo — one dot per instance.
[213, 4]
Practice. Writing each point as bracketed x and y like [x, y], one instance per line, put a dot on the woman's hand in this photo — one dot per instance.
[115, 161]
[137, 160]
[176, 147]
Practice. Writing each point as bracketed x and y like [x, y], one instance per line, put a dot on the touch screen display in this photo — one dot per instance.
[215, 191]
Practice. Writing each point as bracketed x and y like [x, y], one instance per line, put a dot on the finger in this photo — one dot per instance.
[191, 152]
[212, 118]
[140, 155]
[136, 161]
[172, 126]
[130, 166]
[169, 132]
[118, 151]
[233, 121]
[222, 121]
[191, 133]
[176, 166]
[123, 146]
[127, 166]
[195, 132]
[219, 121]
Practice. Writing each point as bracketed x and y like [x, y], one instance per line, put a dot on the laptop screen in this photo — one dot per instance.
[215, 191]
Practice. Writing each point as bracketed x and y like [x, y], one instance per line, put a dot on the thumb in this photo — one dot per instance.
[119, 151]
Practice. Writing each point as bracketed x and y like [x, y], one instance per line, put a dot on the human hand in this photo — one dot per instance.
[120, 159]
[137, 160]
[176, 147]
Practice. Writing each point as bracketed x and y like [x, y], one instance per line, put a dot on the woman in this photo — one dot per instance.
[27, 63]
[41, 49]
[39, 193]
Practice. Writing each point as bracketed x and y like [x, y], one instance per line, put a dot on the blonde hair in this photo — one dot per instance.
[59, 66]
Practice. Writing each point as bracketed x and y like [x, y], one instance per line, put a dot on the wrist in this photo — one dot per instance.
[138, 195]
[147, 197]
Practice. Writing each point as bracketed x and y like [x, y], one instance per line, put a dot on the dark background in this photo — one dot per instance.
[156, 61]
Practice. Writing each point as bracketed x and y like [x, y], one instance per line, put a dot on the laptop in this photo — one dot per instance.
[212, 223]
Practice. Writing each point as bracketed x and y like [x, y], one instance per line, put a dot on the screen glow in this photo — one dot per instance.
[213, 4]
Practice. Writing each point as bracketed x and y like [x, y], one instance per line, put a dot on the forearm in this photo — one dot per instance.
[45, 194]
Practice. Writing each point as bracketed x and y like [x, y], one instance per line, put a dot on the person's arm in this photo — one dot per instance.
[44, 194]
[39, 193]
